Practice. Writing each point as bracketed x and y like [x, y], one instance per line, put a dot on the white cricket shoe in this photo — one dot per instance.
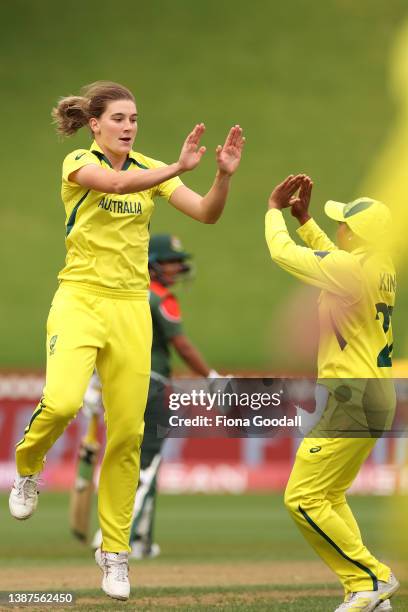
[367, 601]
[385, 606]
[23, 498]
[115, 567]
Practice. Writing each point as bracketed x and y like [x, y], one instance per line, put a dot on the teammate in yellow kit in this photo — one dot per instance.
[100, 314]
[358, 286]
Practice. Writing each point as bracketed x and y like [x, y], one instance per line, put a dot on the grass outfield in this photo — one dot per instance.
[307, 80]
[218, 551]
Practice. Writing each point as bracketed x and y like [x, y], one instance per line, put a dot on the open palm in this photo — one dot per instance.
[191, 153]
[229, 155]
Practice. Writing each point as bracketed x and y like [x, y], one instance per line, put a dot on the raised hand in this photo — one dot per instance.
[282, 195]
[229, 155]
[191, 152]
[299, 204]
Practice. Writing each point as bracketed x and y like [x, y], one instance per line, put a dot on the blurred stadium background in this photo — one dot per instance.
[318, 87]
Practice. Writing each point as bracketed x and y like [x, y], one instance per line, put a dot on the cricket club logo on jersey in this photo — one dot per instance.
[53, 342]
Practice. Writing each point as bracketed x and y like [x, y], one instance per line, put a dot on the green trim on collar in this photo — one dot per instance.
[131, 158]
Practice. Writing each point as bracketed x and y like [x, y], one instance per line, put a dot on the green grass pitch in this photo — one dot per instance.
[220, 552]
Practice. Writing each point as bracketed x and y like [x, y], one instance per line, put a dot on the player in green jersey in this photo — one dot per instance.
[168, 263]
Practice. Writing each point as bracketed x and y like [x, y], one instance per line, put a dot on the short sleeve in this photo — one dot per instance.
[170, 317]
[165, 189]
[76, 160]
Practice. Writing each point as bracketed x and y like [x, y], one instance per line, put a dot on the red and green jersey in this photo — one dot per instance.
[167, 323]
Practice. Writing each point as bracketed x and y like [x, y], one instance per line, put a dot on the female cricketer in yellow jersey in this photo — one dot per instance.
[100, 314]
[358, 285]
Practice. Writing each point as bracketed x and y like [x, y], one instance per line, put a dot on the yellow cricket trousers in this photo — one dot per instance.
[88, 326]
[315, 496]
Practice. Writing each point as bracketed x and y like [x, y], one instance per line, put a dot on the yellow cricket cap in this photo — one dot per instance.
[369, 219]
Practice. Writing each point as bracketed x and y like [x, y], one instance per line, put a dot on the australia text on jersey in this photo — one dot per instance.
[120, 206]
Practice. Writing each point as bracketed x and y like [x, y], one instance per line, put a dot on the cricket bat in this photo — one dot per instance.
[82, 492]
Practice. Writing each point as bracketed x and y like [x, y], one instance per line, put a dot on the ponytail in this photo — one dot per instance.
[71, 114]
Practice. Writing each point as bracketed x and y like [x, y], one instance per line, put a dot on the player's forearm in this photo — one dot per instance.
[277, 237]
[196, 362]
[132, 181]
[212, 204]
[190, 355]
[315, 237]
[121, 182]
[292, 258]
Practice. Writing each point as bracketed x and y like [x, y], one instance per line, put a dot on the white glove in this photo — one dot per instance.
[218, 383]
[214, 374]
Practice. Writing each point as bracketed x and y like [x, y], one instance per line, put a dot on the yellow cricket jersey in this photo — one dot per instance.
[355, 304]
[107, 235]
